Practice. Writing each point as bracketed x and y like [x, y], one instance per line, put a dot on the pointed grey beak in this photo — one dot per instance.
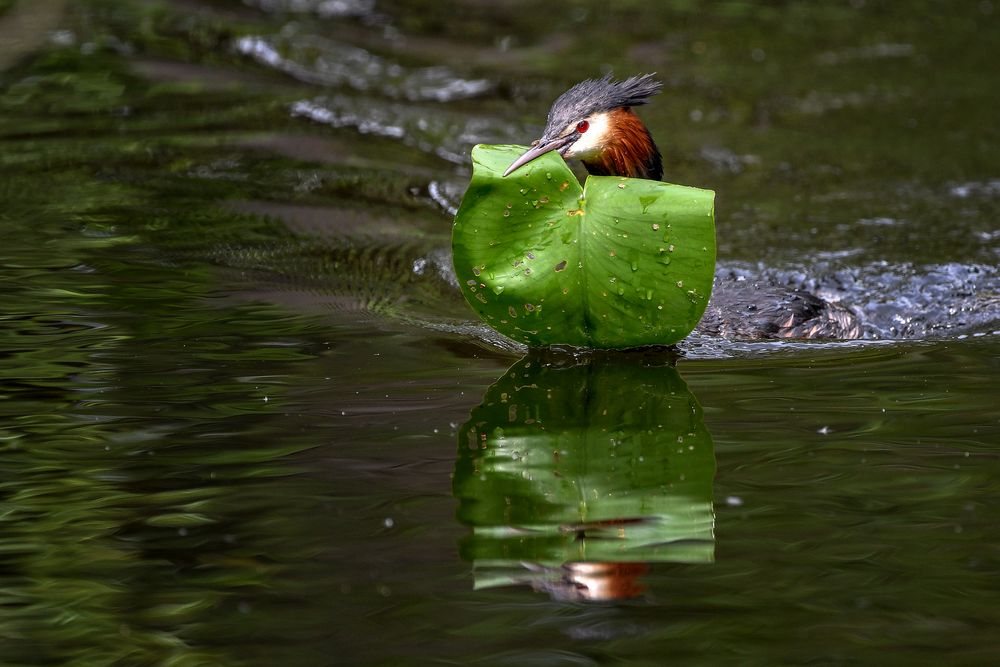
[542, 148]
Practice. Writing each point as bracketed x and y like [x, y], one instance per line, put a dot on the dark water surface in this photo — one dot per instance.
[246, 418]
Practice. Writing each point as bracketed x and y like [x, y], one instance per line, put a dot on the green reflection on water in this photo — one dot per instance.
[570, 462]
[147, 494]
[138, 451]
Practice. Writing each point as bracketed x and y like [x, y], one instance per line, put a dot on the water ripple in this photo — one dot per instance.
[895, 301]
[990, 188]
[323, 61]
[322, 8]
[446, 134]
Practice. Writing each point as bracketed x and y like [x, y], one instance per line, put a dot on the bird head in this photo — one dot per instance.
[589, 119]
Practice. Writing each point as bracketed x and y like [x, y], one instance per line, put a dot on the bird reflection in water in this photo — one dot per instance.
[589, 581]
[576, 473]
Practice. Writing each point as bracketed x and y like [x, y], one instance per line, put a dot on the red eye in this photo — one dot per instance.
[582, 126]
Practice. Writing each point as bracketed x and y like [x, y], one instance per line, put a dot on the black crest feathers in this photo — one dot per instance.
[595, 95]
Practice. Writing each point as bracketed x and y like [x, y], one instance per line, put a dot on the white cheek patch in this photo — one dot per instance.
[591, 142]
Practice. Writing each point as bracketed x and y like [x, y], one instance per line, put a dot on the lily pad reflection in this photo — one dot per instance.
[575, 473]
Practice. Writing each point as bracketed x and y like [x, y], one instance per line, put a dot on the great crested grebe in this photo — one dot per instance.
[594, 122]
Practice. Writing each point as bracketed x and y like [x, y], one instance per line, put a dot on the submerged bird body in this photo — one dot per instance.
[594, 122]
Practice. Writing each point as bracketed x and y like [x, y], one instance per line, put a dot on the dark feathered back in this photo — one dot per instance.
[602, 94]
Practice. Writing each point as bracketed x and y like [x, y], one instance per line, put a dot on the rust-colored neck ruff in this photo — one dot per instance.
[629, 150]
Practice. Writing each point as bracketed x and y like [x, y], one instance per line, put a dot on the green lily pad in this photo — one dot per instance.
[621, 262]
